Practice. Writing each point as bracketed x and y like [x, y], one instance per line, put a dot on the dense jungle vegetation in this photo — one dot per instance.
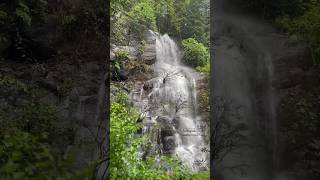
[186, 21]
[35, 37]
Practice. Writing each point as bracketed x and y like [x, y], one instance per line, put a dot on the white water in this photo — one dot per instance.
[170, 102]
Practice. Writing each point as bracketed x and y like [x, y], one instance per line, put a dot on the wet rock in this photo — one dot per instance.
[167, 132]
[149, 54]
[150, 36]
[120, 75]
[165, 123]
[169, 144]
[147, 86]
[132, 51]
[149, 50]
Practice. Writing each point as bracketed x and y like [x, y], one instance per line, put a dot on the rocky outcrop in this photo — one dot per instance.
[140, 59]
[149, 54]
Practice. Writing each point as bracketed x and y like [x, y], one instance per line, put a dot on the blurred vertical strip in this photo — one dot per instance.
[212, 121]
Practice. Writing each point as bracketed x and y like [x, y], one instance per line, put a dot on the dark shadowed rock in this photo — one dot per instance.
[149, 54]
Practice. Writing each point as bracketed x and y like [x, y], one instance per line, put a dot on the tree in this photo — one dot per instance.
[195, 21]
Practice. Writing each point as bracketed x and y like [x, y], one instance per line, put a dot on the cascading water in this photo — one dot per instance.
[245, 50]
[169, 104]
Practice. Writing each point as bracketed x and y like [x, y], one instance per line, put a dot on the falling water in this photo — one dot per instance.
[169, 100]
[245, 50]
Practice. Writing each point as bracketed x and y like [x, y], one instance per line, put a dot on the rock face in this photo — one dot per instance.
[149, 54]
[140, 59]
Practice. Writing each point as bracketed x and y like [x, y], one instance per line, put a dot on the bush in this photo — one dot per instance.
[117, 64]
[195, 53]
[124, 147]
[205, 70]
[122, 55]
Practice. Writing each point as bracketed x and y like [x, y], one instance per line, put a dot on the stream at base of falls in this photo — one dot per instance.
[168, 103]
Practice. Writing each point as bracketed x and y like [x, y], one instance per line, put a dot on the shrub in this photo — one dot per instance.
[205, 70]
[124, 146]
[116, 66]
[195, 53]
[122, 55]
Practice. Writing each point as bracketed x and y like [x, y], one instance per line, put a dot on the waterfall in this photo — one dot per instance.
[169, 105]
[245, 51]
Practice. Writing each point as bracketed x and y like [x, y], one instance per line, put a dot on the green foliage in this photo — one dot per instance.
[141, 17]
[119, 6]
[201, 176]
[37, 117]
[306, 26]
[142, 47]
[195, 21]
[121, 98]
[195, 53]
[204, 89]
[119, 31]
[23, 13]
[131, 18]
[122, 55]
[119, 20]
[124, 149]
[205, 70]
[167, 19]
[182, 19]
[24, 156]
